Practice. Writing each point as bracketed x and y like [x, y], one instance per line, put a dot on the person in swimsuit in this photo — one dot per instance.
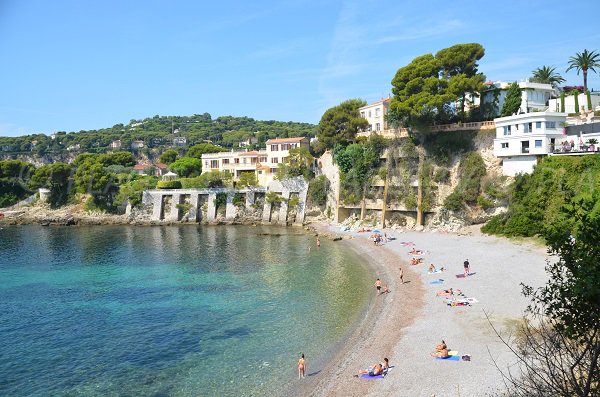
[432, 268]
[301, 367]
[467, 267]
[378, 286]
[318, 242]
[386, 365]
[441, 350]
[376, 369]
[401, 275]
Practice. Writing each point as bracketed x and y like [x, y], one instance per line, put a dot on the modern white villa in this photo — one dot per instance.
[554, 104]
[263, 163]
[534, 96]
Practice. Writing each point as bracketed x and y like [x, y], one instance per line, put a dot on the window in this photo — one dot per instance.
[237, 161]
[225, 161]
[538, 124]
[530, 127]
[377, 112]
[362, 114]
[263, 159]
[285, 146]
[206, 163]
[378, 127]
[369, 113]
[550, 125]
[274, 160]
[274, 148]
[253, 160]
[507, 130]
[517, 127]
[259, 172]
[273, 170]
[538, 143]
[504, 145]
[214, 163]
[293, 145]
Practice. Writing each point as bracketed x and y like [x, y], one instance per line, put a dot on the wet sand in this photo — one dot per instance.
[406, 324]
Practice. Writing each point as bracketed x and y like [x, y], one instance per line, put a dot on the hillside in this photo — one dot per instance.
[156, 132]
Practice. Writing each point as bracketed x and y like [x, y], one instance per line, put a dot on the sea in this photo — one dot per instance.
[171, 310]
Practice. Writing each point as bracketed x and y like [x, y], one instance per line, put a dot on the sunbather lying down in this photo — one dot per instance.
[441, 350]
[446, 292]
[374, 370]
[432, 268]
[416, 252]
[416, 261]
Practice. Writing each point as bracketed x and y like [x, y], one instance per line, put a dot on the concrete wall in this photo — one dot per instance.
[512, 166]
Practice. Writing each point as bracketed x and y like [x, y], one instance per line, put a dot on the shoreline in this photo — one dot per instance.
[406, 324]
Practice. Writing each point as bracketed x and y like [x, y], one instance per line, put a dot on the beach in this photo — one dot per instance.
[406, 324]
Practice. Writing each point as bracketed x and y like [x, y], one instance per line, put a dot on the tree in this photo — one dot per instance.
[512, 103]
[459, 66]
[58, 178]
[546, 75]
[298, 163]
[198, 150]
[584, 61]
[186, 167]
[247, 179]
[168, 156]
[341, 123]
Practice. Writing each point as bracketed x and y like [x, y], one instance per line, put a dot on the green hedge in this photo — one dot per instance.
[168, 185]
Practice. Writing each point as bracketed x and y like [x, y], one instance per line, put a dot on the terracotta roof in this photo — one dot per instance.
[285, 140]
[141, 166]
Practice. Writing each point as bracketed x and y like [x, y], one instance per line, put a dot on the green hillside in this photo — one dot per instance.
[159, 131]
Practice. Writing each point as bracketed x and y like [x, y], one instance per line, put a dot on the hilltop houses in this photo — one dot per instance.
[263, 163]
[375, 114]
[534, 96]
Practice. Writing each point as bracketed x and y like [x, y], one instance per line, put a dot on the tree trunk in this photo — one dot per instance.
[384, 205]
[420, 189]
[584, 84]
[362, 209]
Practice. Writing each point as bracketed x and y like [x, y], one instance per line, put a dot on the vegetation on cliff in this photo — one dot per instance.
[536, 199]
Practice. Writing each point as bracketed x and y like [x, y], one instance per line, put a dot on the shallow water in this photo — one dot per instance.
[168, 311]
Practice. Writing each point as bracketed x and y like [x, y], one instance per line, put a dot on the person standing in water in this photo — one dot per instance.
[301, 367]
[318, 242]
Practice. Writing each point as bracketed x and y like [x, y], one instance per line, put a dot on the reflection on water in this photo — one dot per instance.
[161, 310]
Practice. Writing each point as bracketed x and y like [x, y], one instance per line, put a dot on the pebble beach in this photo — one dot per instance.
[406, 324]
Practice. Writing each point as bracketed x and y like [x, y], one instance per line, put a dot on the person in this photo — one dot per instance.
[386, 290]
[378, 286]
[432, 268]
[318, 242]
[401, 275]
[446, 292]
[441, 350]
[467, 267]
[386, 365]
[301, 367]
[374, 370]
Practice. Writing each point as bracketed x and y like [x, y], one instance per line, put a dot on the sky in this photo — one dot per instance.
[79, 65]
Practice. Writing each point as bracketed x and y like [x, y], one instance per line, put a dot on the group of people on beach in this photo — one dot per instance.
[379, 239]
[378, 288]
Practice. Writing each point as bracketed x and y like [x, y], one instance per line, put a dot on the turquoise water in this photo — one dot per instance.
[169, 311]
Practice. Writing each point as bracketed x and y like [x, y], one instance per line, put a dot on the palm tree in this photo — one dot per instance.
[584, 61]
[546, 75]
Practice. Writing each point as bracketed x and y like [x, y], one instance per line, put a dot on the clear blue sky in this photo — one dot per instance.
[73, 65]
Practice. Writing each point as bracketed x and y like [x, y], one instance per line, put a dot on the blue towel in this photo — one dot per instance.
[451, 358]
[436, 282]
[367, 376]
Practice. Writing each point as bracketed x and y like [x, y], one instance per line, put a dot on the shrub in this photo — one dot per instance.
[168, 185]
[317, 190]
[239, 200]
[455, 201]
[484, 202]
[442, 175]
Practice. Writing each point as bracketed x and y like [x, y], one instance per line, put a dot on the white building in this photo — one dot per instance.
[534, 96]
[263, 163]
[375, 113]
[135, 145]
[554, 104]
[523, 138]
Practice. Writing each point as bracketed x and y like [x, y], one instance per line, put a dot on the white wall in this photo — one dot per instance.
[512, 166]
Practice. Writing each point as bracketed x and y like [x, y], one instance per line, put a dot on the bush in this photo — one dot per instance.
[484, 202]
[455, 201]
[317, 190]
[442, 175]
[239, 200]
[168, 185]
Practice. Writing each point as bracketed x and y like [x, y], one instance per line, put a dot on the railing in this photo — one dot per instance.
[403, 132]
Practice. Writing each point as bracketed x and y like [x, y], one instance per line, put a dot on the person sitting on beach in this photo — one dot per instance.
[446, 292]
[432, 268]
[386, 290]
[416, 261]
[441, 350]
[415, 252]
[386, 365]
[376, 369]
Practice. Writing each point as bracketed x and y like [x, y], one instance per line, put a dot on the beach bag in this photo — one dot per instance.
[466, 357]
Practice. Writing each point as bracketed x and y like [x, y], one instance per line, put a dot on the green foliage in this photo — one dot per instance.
[186, 167]
[589, 100]
[576, 98]
[220, 201]
[584, 61]
[442, 146]
[512, 103]
[442, 175]
[168, 156]
[298, 163]
[239, 199]
[358, 164]
[484, 203]
[16, 169]
[132, 190]
[176, 184]
[341, 123]
[470, 171]
[572, 296]
[536, 199]
[317, 190]
[293, 202]
[547, 75]
[212, 179]
[198, 150]
[14, 178]
[273, 198]
[562, 101]
[247, 179]
[425, 89]
[58, 178]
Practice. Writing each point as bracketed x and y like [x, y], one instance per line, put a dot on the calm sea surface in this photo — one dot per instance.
[169, 311]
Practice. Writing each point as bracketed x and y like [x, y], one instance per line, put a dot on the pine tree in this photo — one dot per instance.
[512, 103]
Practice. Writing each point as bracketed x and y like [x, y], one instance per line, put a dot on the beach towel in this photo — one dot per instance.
[437, 282]
[367, 376]
[407, 243]
[451, 358]
[463, 276]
